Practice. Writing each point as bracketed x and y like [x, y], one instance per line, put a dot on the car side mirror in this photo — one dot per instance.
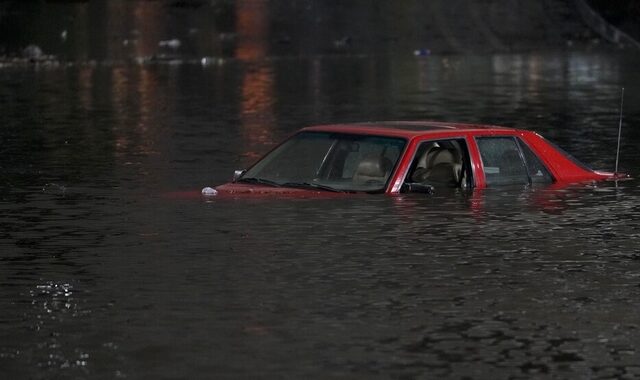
[414, 187]
[237, 174]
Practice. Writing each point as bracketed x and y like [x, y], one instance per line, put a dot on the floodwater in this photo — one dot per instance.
[102, 275]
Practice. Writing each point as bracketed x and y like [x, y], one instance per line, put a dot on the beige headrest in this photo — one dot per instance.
[438, 156]
[372, 168]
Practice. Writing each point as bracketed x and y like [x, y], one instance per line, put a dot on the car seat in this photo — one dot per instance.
[372, 168]
[438, 165]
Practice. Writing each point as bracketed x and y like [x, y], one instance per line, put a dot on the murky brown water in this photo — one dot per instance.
[102, 276]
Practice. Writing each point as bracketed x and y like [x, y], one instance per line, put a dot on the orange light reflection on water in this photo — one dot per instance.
[258, 98]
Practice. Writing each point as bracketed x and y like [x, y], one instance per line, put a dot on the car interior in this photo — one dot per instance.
[372, 168]
[441, 164]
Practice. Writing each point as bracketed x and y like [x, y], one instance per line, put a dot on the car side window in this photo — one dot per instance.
[441, 163]
[538, 173]
[508, 161]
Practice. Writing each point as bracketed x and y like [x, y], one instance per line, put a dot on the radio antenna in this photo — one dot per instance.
[619, 129]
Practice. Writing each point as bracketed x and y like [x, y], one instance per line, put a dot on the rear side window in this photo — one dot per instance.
[538, 173]
[509, 161]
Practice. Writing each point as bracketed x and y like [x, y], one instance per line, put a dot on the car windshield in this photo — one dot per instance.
[329, 161]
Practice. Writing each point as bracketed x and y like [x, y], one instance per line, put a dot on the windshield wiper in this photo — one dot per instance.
[260, 181]
[307, 185]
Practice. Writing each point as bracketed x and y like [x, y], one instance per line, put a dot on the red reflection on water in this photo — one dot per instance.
[149, 20]
[257, 115]
[134, 91]
[253, 29]
[257, 109]
[85, 86]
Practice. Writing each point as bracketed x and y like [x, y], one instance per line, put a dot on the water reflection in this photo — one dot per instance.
[253, 30]
[147, 29]
[136, 88]
[258, 97]
[257, 113]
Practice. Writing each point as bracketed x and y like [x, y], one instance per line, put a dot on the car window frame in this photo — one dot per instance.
[420, 141]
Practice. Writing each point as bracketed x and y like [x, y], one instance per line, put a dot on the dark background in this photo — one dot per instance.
[117, 30]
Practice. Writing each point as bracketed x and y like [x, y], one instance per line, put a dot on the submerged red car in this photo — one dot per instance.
[404, 157]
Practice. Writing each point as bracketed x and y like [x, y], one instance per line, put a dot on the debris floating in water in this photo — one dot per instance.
[54, 188]
[172, 44]
[421, 52]
[342, 43]
[209, 191]
[32, 52]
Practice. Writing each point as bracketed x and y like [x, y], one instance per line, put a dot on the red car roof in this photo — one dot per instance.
[406, 129]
